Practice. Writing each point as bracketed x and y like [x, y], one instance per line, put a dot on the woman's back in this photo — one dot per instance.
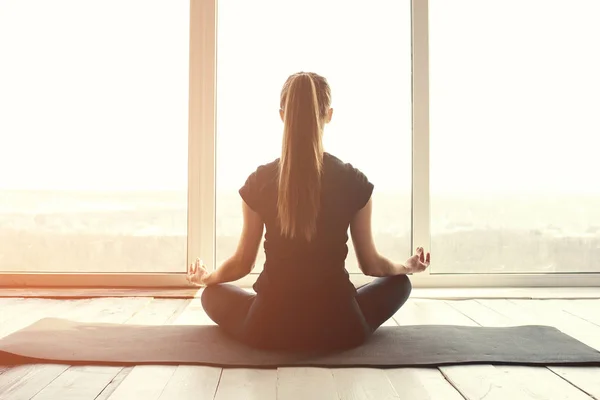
[296, 265]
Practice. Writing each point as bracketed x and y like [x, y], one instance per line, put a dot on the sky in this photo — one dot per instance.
[93, 95]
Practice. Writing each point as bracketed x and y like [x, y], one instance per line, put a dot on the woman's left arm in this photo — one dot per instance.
[242, 262]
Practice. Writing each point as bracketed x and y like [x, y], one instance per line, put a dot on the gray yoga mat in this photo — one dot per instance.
[63, 341]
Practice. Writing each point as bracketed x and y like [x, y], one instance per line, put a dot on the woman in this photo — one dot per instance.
[307, 199]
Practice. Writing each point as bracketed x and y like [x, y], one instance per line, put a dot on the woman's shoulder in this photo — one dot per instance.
[269, 167]
[266, 172]
[335, 167]
[343, 168]
[260, 181]
[354, 184]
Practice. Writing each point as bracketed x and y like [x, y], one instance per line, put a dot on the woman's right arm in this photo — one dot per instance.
[369, 260]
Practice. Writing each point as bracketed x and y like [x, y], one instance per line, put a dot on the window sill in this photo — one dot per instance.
[175, 285]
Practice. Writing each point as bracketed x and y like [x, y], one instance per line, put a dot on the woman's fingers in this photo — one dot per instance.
[196, 271]
[190, 274]
[422, 257]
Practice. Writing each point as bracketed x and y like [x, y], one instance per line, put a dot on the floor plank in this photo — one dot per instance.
[89, 382]
[194, 314]
[418, 383]
[422, 384]
[143, 382]
[86, 382]
[193, 381]
[114, 384]
[506, 293]
[159, 312]
[586, 309]
[233, 383]
[291, 382]
[396, 379]
[41, 382]
[541, 382]
[472, 381]
[543, 313]
[167, 381]
[484, 381]
[149, 381]
[163, 381]
[110, 310]
[25, 381]
[417, 293]
[9, 308]
[247, 384]
[539, 312]
[481, 314]
[428, 312]
[363, 384]
[306, 383]
[80, 382]
[585, 378]
[30, 310]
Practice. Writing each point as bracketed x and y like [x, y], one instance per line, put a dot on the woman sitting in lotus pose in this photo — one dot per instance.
[306, 200]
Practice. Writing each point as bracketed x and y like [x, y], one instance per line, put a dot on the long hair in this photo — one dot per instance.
[305, 101]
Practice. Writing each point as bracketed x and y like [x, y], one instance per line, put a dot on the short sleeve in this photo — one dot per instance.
[361, 189]
[250, 192]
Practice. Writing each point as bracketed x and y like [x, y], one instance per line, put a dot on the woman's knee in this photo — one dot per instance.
[400, 287]
[210, 297]
[395, 283]
[225, 301]
[404, 284]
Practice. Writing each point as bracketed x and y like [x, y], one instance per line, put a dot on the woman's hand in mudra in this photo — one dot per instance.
[197, 273]
[419, 262]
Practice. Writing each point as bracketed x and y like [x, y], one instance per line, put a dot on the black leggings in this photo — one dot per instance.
[269, 323]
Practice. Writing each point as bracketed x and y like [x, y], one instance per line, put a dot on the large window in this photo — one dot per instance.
[365, 53]
[128, 126]
[514, 136]
[93, 135]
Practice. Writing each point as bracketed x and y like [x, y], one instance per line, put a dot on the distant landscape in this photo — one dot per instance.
[146, 232]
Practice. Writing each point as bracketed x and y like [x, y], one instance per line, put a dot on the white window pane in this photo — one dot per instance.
[514, 136]
[365, 54]
[93, 135]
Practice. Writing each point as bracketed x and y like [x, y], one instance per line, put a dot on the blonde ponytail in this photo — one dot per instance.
[301, 162]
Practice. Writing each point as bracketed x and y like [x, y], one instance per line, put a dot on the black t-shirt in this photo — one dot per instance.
[295, 266]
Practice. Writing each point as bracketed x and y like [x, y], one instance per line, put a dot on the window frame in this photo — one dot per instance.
[201, 229]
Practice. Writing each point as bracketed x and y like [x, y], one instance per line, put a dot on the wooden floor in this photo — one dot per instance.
[578, 318]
